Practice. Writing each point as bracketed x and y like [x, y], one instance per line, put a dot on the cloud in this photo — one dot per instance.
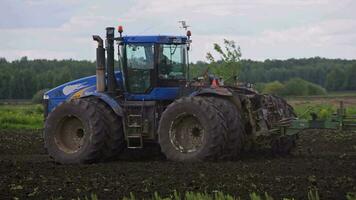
[325, 33]
[263, 28]
[70, 40]
[36, 13]
[330, 38]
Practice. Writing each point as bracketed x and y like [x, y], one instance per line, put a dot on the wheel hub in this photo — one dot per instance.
[186, 133]
[70, 135]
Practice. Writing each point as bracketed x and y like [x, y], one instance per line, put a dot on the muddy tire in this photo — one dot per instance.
[115, 140]
[76, 132]
[191, 129]
[234, 125]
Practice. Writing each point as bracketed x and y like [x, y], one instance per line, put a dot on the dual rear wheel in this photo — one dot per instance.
[200, 128]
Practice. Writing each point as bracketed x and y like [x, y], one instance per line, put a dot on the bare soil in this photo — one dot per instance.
[323, 159]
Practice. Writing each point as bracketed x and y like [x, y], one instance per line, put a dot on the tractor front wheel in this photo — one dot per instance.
[78, 132]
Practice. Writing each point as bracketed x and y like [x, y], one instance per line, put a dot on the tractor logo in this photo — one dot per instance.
[72, 88]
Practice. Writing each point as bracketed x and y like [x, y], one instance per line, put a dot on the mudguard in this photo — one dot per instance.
[110, 101]
[218, 91]
[90, 92]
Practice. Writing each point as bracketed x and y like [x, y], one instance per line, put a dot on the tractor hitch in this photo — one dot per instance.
[338, 121]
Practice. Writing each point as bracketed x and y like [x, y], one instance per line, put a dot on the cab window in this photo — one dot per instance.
[140, 67]
[172, 61]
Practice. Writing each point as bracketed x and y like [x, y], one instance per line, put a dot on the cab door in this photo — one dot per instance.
[139, 73]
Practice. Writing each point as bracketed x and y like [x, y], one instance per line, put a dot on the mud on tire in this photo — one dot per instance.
[233, 122]
[77, 131]
[115, 140]
[191, 129]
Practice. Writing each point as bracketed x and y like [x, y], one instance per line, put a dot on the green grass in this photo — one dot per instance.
[312, 194]
[323, 110]
[30, 117]
[341, 94]
[328, 95]
[21, 117]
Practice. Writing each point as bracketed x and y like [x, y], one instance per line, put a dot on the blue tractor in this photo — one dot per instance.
[151, 98]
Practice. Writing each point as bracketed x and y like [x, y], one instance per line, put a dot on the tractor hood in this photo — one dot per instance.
[66, 90]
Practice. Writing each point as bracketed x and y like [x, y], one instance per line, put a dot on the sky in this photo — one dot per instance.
[264, 29]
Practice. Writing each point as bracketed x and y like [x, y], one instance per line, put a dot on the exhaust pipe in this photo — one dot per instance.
[100, 64]
[110, 37]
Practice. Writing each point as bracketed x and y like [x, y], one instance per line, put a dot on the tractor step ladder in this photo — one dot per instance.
[139, 122]
[134, 131]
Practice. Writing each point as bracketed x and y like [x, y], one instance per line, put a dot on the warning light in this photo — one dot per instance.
[120, 29]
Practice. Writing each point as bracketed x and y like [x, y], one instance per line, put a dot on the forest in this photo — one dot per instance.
[21, 79]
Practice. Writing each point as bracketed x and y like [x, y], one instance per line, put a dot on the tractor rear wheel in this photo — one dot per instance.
[77, 132]
[191, 129]
[234, 125]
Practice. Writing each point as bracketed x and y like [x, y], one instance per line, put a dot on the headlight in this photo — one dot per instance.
[45, 96]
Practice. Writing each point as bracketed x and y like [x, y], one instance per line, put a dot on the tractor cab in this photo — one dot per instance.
[152, 67]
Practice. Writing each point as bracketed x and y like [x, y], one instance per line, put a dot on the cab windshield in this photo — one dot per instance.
[172, 60]
[146, 61]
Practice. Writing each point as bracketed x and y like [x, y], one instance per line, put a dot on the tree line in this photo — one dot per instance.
[21, 79]
[331, 74]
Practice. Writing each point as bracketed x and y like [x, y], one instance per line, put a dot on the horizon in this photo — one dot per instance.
[194, 62]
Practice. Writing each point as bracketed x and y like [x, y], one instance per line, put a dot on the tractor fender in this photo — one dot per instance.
[219, 91]
[91, 92]
[115, 106]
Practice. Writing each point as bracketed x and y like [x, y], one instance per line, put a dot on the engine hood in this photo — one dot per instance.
[66, 90]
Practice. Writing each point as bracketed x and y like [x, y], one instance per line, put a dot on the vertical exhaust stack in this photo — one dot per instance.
[111, 82]
[100, 64]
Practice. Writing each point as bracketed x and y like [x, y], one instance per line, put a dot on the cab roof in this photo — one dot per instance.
[159, 39]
